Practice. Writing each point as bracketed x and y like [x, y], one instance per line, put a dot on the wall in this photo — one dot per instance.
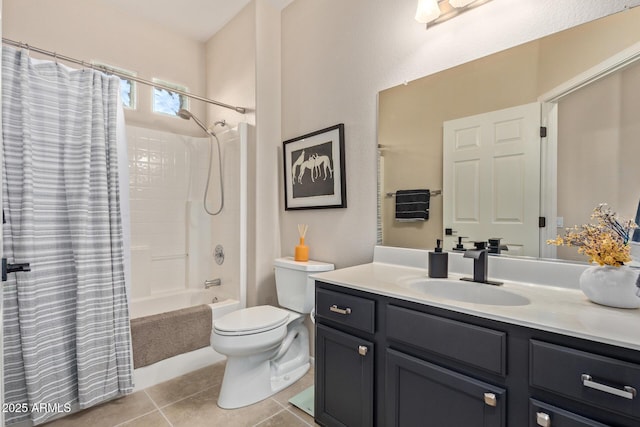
[231, 68]
[599, 149]
[267, 151]
[89, 30]
[411, 116]
[336, 57]
[243, 63]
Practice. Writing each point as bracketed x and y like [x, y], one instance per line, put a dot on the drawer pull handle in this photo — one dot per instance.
[543, 420]
[334, 308]
[490, 399]
[627, 392]
[363, 350]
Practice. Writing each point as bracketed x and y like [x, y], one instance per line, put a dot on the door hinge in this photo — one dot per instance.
[543, 131]
[542, 222]
[13, 268]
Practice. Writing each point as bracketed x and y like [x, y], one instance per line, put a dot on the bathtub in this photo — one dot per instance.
[169, 301]
[184, 363]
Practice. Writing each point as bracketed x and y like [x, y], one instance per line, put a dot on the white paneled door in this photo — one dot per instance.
[491, 182]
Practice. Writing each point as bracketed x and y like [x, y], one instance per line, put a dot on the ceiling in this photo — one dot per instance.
[195, 19]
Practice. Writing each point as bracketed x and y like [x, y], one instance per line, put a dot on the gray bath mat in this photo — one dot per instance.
[304, 400]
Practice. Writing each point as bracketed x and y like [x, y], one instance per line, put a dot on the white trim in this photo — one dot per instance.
[243, 129]
[593, 74]
[549, 179]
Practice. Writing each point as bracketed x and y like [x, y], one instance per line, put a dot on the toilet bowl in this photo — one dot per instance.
[267, 347]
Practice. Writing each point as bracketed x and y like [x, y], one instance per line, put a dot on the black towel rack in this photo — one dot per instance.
[432, 192]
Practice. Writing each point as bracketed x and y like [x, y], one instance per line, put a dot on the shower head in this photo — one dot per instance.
[186, 114]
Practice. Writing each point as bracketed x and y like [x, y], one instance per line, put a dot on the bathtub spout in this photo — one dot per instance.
[212, 282]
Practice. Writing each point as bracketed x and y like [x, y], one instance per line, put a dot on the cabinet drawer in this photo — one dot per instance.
[597, 380]
[348, 310]
[545, 415]
[476, 346]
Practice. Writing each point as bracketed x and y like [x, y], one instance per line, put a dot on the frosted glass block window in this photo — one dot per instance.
[127, 86]
[168, 102]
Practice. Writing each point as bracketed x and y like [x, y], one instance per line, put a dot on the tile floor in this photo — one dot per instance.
[190, 400]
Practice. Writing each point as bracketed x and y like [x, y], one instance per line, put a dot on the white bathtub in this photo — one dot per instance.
[184, 363]
[169, 301]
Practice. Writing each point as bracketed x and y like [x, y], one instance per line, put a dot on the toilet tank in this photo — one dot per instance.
[294, 286]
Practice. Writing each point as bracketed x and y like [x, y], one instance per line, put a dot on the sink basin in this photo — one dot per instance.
[476, 293]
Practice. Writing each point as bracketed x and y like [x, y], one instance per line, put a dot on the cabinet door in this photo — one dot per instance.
[422, 394]
[544, 415]
[344, 379]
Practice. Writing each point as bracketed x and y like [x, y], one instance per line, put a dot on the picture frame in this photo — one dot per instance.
[314, 170]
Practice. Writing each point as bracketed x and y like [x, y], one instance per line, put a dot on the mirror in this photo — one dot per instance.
[597, 125]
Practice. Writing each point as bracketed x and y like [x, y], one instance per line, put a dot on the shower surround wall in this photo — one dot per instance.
[172, 237]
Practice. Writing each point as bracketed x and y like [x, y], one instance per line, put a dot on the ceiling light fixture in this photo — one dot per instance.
[428, 10]
[434, 12]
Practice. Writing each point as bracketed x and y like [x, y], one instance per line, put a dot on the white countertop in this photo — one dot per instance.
[554, 309]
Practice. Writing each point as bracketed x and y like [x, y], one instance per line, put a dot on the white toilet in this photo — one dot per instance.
[267, 348]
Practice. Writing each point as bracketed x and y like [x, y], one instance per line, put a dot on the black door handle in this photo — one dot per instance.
[13, 268]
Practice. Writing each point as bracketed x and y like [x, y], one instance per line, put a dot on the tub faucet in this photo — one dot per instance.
[480, 266]
[212, 282]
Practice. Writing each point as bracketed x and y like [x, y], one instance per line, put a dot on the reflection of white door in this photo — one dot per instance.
[491, 182]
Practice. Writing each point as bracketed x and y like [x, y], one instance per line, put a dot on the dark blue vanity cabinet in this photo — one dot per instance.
[381, 361]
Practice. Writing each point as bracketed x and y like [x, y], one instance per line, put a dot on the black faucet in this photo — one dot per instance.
[480, 266]
[495, 247]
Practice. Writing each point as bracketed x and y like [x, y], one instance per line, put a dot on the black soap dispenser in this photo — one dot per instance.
[438, 262]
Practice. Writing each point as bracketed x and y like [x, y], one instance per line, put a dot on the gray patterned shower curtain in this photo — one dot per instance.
[66, 322]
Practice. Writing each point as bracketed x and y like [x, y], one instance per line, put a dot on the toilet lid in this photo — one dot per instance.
[252, 320]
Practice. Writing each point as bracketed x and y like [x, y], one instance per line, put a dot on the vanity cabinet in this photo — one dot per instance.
[430, 366]
[344, 360]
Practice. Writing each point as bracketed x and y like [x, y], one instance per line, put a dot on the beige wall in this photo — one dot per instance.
[267, 150]
[411, 116]
[88, 30]
[231, 67]
[243, 63]
[598, 150]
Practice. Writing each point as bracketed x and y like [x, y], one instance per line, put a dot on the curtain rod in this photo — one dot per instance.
[115, 72]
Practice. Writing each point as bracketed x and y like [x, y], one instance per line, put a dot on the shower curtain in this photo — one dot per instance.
[66, 323]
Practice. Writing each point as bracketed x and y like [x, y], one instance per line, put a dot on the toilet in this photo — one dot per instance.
[267, 347]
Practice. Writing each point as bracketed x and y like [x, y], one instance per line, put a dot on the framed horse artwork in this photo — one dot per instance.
[314, 172]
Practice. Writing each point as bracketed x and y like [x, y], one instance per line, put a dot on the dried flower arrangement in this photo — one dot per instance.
[606, 242]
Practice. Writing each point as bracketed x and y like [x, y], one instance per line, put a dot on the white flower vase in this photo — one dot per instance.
[611, 286]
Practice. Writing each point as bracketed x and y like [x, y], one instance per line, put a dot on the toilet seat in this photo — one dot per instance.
[252, 320]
